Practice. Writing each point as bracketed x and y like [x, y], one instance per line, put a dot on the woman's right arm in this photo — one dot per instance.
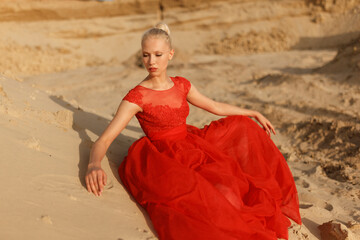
[95, 176]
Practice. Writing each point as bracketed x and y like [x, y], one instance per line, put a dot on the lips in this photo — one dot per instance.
[152, 69]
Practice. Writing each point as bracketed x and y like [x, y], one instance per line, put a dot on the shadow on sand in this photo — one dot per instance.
[312, 226]
[345, 61]
[328, 42]
[83, 121]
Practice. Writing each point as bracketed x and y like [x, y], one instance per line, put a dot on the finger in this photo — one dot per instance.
[267, 129]
[94, 178]
[104, 179]
[270, 125]
[272, 128]
[267, 126]
[100, 182]
[87, 184]
[93, 187]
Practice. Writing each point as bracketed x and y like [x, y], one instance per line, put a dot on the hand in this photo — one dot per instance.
[267, 126]
[95, 179]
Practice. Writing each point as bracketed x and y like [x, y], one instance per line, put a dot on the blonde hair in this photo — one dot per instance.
[160, 30]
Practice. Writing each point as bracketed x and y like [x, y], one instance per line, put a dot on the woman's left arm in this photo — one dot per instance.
[222, 109]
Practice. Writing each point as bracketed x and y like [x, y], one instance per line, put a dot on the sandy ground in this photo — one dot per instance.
[65, 66]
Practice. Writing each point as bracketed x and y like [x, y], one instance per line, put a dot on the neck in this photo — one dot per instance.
[158, 82]
[162, 78]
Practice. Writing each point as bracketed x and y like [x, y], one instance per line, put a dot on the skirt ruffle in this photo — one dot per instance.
[227, 180]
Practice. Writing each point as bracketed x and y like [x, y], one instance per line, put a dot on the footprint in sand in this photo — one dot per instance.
[302, 182]
[32, 143]
[305, 184]
[64, 118]
[4, 100]
[308, 200]
[46, 219]
[305, 206]
[71, 197]
[355, 215]
[142, 230]
[147, 232]
[328, 207]
[2, 92]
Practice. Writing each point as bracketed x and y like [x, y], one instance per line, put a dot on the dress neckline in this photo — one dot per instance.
[171, 78]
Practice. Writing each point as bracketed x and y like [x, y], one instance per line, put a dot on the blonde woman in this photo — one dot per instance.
[224, 181]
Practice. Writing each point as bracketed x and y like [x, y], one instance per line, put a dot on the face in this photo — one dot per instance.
[156, 55]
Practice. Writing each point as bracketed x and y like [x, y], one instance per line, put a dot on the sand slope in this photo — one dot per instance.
[45, 143]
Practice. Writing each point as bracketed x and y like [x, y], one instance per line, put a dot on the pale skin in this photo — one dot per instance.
[156, 55]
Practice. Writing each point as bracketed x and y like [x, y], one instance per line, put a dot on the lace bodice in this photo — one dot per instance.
[162, 109]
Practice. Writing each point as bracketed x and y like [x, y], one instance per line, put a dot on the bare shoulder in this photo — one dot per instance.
[128, 106]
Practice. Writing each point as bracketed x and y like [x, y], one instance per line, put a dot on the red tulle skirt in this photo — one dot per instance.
[225, 181]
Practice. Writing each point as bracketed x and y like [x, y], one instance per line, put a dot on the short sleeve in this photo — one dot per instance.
[134, 96]
[185, 84]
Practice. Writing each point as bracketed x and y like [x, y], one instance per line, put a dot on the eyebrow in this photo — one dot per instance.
[156, 52]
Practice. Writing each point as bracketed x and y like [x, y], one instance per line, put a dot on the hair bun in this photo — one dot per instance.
[160, 30]
[164, 27]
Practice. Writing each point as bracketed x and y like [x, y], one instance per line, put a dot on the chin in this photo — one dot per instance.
[154, 74]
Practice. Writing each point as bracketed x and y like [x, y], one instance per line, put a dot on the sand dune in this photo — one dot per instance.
[66, 65]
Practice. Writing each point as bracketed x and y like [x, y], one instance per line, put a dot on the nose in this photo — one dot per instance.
[151, 59]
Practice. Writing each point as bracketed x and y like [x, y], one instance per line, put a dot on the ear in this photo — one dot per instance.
[171, 54]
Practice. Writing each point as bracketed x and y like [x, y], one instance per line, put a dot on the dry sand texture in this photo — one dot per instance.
[65, 66]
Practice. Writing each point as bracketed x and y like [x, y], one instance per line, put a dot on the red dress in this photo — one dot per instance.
[222, 182]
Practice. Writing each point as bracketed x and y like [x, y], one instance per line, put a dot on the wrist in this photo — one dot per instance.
[94, 164]
[254, 114]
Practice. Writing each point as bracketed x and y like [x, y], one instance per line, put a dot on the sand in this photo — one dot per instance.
[66, 65]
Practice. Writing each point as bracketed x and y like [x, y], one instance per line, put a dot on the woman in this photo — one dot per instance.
[224, 181]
